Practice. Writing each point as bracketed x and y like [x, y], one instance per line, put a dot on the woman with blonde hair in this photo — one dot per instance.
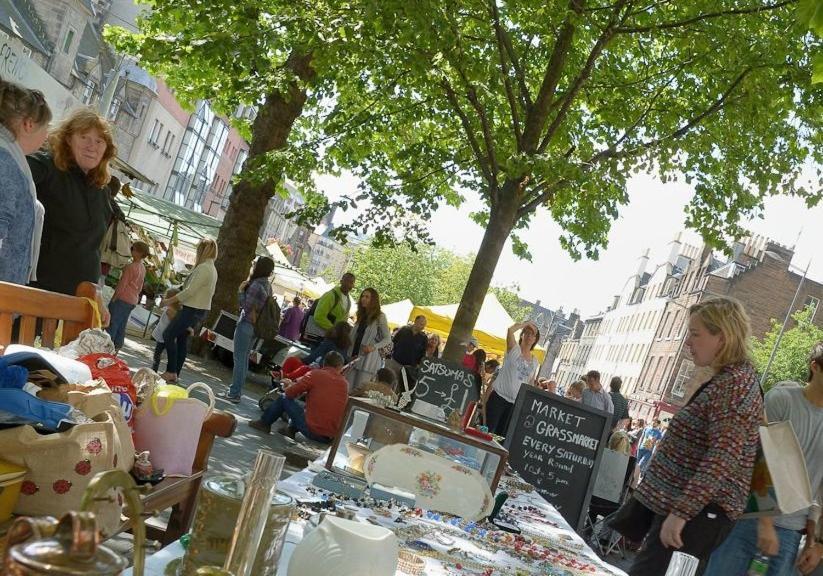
[24, 124]
[71, 180]
[698, 481]
[370, 334]
[433, 346]
[196, 295]
[575, 390]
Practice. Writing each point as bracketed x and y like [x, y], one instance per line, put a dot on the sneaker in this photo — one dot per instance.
[229, 398]
[260, 425]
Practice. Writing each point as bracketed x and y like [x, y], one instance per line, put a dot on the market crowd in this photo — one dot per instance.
[57, 207]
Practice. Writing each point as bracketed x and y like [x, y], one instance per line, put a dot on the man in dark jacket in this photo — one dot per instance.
[409, 345]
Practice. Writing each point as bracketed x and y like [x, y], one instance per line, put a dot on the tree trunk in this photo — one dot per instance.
[501, 222]
[237, 239]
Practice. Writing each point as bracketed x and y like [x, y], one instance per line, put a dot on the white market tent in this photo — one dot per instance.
[399, 313]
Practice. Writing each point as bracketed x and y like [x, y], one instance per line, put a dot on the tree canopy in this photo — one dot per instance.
[555, 104]
[427, 275]
[530, 104]
[791, 362]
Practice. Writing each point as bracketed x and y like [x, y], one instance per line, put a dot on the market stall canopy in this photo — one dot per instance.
[277, 254]
[490, 329]
[158, 218]
[399, 313]
[316, 287]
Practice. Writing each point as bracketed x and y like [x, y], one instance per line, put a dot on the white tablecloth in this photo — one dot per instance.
[542, 524]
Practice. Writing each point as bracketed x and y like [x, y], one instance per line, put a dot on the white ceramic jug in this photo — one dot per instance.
[339, 547]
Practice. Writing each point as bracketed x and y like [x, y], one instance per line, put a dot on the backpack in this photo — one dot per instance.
[268, 320]
[313, 308]
[115, 249]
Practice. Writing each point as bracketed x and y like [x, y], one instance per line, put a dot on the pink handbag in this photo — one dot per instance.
[170, 430]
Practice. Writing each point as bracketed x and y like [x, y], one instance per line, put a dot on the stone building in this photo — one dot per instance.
[573, 357]
[758, 274]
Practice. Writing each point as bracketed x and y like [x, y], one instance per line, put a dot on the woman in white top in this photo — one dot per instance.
[195, 297]
[519, 367]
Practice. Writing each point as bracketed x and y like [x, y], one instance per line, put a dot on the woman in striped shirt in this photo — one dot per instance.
[699, 478]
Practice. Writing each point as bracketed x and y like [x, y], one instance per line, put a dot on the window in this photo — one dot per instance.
[68, 40]
[675, 323]
[115, 108]
[154, 135]
[167, 143]
[88, 92]
[683, 377]
[813, 303]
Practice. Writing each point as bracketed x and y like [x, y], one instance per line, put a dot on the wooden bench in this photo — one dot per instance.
[33, 307]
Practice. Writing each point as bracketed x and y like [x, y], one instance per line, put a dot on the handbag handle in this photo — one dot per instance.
[209, 393]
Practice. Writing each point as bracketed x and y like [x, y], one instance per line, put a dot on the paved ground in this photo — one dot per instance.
[229, 455]
[236, 454]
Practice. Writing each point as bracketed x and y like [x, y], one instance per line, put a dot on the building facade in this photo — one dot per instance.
[759, 275]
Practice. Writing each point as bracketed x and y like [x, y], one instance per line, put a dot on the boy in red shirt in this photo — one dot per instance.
[127, 294]
[327, 392]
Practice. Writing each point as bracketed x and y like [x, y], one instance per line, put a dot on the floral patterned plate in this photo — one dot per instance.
[438, 483]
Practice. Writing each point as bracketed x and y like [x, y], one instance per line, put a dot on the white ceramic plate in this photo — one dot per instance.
[438, 483]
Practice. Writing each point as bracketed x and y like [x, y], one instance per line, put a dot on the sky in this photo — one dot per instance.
[654, 216]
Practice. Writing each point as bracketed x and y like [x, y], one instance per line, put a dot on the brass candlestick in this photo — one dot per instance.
[97, 492]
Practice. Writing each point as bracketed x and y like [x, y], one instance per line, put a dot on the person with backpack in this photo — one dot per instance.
[254, 294]
[330, 308]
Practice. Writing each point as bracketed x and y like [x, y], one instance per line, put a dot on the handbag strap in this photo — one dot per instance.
[209, 393]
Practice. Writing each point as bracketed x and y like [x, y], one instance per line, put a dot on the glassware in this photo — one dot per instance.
[253, 513]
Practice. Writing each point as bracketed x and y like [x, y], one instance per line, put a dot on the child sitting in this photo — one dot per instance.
[338, 339]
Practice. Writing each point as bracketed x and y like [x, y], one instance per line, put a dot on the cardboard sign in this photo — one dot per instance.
[556, 444]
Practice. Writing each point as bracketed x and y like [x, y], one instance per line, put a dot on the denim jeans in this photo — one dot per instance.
[732, 558]
[297, 417]
[243, 339]
[119, 312]
[644, 456]
[158, 355]
[176, 336]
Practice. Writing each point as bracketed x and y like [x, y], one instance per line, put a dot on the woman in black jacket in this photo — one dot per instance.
[71, 180]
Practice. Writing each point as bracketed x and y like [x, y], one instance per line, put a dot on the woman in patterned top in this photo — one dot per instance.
[252, 296]
[699, 478]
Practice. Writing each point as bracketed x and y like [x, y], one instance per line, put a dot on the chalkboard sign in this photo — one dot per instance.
[556, 445]
[446, 385]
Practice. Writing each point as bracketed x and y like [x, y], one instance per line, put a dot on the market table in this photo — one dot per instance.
[449, 545]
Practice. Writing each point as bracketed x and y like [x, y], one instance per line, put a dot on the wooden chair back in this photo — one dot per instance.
[34, 306]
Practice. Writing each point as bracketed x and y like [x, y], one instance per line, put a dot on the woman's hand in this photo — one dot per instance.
[671, 531]
[368, 349]
[809, 558]
[767, 540]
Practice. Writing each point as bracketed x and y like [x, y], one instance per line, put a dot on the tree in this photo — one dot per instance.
[791, 362]
[510, 300]
[242, 53]
[426, 275]
[554, 104]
